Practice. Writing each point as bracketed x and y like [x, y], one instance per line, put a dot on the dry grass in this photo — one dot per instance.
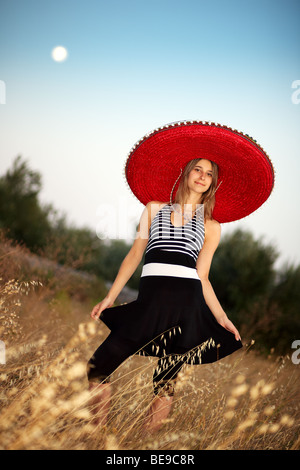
[242, 402]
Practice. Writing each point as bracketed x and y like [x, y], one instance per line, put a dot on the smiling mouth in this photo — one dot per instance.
[199, 183]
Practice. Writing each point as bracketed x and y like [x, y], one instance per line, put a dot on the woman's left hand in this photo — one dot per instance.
[228, 325]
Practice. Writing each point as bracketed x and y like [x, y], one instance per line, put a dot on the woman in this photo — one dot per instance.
[177, 316]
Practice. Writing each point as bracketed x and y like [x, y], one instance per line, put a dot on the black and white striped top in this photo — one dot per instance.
[173, 251]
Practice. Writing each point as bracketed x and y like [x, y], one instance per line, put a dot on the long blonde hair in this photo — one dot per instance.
[207, 198]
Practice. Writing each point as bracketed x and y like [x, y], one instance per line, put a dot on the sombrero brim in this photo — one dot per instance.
[246, 171]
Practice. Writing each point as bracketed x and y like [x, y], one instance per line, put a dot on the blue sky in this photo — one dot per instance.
[134, 66]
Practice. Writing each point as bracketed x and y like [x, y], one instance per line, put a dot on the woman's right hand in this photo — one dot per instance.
[105, 303]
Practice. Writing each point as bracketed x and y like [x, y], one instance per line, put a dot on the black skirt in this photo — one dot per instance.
[170, 317]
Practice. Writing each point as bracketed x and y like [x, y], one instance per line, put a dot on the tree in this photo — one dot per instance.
[20, 211]
[111, 259]
[285, 301]
[76, 247]
[242, 272]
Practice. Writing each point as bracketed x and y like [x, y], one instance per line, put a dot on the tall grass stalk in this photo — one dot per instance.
[244, 401]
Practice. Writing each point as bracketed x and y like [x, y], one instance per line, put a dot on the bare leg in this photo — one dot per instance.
[159, 410]
[100, 402]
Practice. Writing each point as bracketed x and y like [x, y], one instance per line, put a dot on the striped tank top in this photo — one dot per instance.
[171, 250]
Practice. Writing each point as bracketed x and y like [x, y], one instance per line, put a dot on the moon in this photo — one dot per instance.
[59, 53]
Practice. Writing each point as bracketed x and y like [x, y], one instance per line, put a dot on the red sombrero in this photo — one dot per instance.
[246, 171]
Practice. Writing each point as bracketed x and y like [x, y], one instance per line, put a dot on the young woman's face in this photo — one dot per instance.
[200, 177]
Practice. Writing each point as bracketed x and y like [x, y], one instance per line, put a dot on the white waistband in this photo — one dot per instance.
[174, 270]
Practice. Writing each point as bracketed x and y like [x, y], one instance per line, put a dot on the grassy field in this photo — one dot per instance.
[245, 401]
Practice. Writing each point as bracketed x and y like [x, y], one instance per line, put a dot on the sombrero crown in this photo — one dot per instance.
[246, 171]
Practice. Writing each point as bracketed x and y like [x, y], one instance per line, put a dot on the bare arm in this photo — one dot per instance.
[131, 260]
[212, 239]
